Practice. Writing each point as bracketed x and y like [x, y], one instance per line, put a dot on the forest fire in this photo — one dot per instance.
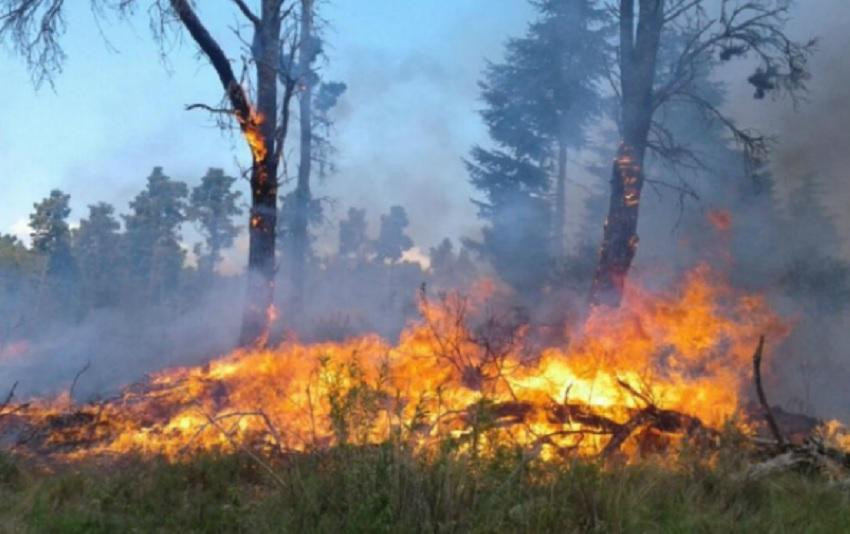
[641, 377]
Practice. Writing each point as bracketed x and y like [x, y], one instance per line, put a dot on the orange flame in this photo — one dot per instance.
[688, 350]
[251, 129]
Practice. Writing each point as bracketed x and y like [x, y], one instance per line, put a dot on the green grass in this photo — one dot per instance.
[384, 489]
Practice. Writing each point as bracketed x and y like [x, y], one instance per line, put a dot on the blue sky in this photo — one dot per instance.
[408, 118]
[404, 125]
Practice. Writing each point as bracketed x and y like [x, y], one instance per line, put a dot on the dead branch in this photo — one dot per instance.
[768, 413]
[243, 7]
[624, 431]
[245, 449]
[205, 107]
[76, 378]
[8, 398]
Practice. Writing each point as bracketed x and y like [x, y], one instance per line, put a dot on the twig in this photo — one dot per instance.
[245, 449]
[8, 398]
[631, 389]
[768, 413]
[77, 377]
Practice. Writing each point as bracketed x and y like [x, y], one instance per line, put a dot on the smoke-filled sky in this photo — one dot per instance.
[408, 118]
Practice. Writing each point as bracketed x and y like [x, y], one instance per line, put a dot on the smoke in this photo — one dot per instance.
[122, 345]
[402, 130]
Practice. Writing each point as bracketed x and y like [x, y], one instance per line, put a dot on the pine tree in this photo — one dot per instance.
[816, 272]
[392, 240]
[152, 241]
[51, 238]
[538, 102]
[51, 235]
[213, 204]
[97, 244]
[352, 233]
[20, 273]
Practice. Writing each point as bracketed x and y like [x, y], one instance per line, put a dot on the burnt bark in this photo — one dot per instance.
[638, 57]
[736, 29]
[259, 128]
[263, 214]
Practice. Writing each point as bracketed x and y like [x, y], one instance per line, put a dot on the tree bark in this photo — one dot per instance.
[263, 214]
[638, 56]
[303, 197]
[559, 235]
[258, 127]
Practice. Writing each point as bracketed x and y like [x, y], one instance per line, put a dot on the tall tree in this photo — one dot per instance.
[352, 233]
[213, 204]
[51, 238]
[392, 240]
[315, 100]
[732, 29]
[816, 273]
[97, 244]
[19, 282]
[51, 235]
[539, 101]
[307, 54]
[264, 132]
[153, 244]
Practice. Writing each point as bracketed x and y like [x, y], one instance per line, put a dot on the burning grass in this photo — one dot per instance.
[638, 422]
[663, 368]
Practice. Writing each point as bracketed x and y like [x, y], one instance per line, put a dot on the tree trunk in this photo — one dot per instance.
[263, 215]
[303, 197]
[638, 54]
[559, 235]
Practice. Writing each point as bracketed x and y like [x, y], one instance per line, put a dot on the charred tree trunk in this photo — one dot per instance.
[303, 197]
[638, 55]
[263, 215]
[259, 128]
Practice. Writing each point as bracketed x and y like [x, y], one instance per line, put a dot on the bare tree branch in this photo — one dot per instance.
[224, 111]
[243, 7]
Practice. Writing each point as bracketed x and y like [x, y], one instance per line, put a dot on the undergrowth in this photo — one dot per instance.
[386, 488]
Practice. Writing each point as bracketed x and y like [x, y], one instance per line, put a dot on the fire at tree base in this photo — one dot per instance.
[664, 370]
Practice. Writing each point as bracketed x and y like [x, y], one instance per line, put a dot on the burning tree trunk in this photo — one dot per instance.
[260, 128]
[263, 216]
[734, 29]
[638, 53]
[303, 197]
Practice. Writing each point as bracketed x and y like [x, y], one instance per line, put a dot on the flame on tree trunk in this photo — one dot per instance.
[637, 58]
[620, 237]
[259, 127]
[259, 301]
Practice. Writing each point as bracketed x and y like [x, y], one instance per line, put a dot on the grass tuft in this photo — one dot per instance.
[384, 488]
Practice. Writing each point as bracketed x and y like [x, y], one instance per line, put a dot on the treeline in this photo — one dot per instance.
[551, 113]
[166, 253]
[133, 260]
